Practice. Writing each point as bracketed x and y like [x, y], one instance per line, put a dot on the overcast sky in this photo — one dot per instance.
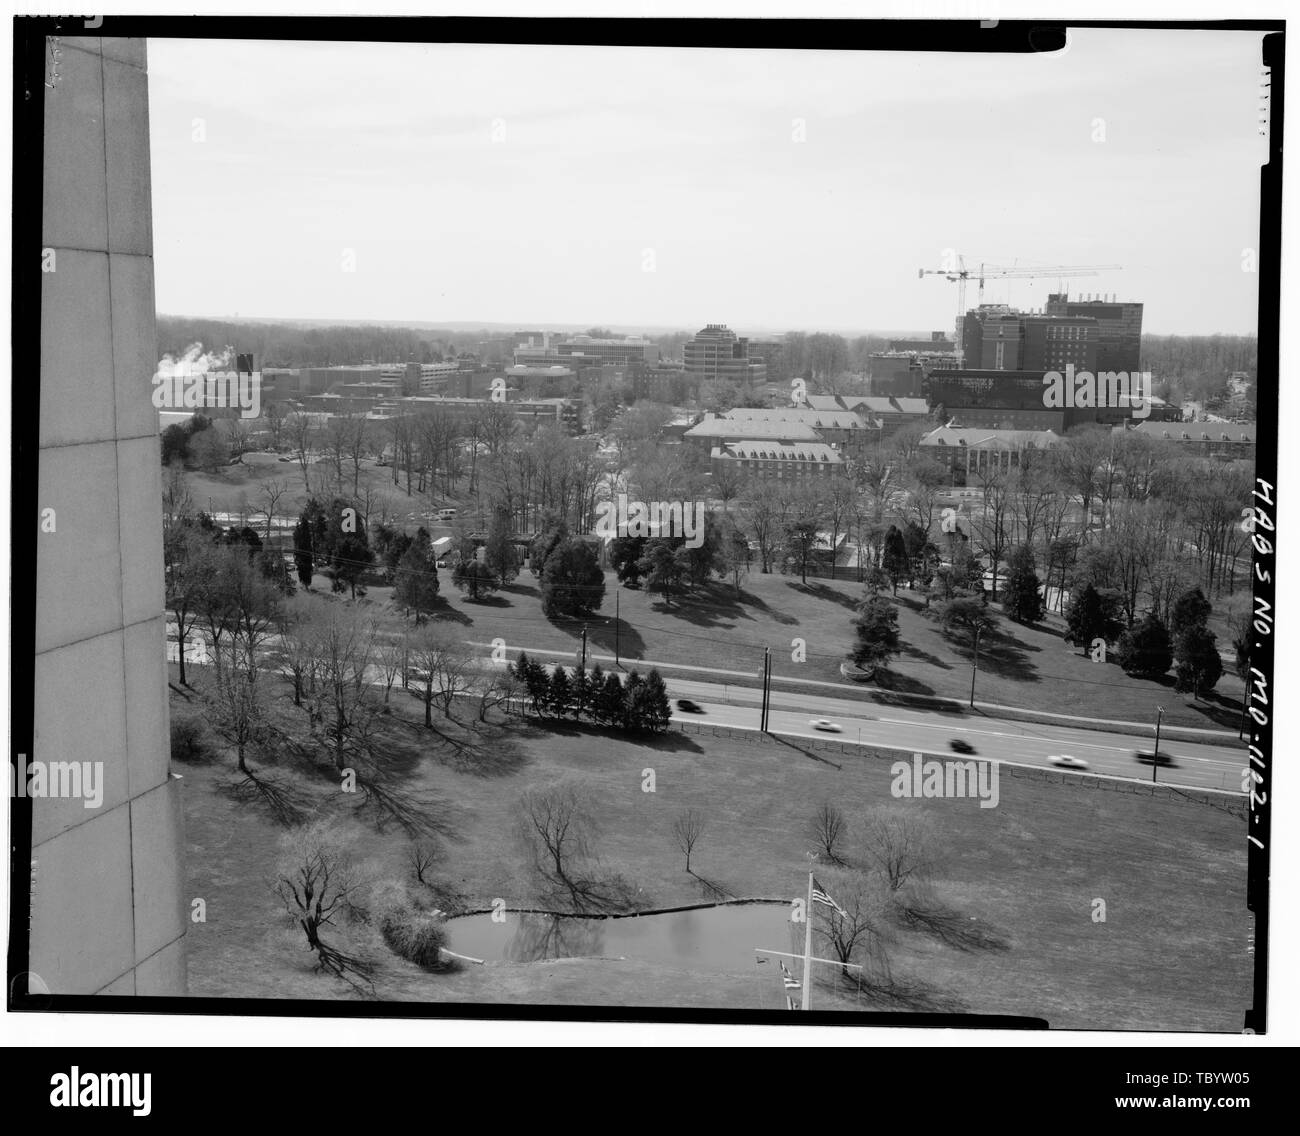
[531, 185]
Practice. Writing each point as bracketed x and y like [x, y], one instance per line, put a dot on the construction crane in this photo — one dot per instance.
[961, 274]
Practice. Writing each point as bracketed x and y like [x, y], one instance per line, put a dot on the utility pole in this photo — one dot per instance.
[583, 665]
[974, 666]
[767, 680]
[1155, 757]
[807, 946]
[616, 623]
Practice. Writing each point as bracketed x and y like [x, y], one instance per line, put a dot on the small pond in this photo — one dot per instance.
[709, 938]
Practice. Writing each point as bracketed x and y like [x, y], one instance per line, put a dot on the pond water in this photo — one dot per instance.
[707, 938]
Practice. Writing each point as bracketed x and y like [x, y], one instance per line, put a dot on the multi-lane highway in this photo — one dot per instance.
[1215, 763]
[1210, 765]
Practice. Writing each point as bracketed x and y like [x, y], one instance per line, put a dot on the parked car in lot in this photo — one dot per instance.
[960, 745]
[689, 707]
[826, 725]
[446, 514]
[1068, 762]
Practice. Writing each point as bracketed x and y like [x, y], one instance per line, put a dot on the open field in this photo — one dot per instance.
[1172, 954]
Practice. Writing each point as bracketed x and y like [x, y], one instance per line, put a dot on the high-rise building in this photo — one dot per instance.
[1119, 328]
[717, 353]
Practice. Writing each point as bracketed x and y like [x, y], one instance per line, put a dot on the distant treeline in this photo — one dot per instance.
[1195, 366]
[284, 345]
[1198, 366]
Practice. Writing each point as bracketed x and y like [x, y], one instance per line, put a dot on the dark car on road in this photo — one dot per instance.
[1149, 758]
[689, 707]
[958, 745]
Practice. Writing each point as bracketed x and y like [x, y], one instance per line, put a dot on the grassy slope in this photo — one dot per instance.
[1171, 955]
[1028, 667]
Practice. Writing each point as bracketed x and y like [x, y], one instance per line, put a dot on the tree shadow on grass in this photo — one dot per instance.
[489, 600]
[893, 682]
[898, 994]
[999, 655]
[751, 600]
[605, 636]
[443, 612]
[288, 806]
[925, 657]
[820, 591]
[951, 927]
[417, 814]
[813, 755]
[517, 587]
[712, 889]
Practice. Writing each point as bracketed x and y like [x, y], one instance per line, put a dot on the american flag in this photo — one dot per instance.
[790, 982]
[821, 895]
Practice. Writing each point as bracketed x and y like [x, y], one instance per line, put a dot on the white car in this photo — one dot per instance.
[1069, 762]
[826, 724]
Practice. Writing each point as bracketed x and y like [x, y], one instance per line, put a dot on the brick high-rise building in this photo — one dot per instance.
[1119, 328]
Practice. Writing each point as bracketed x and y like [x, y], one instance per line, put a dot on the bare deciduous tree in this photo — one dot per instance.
[828, 829]
[899, 843]
[687, 830]
[858, 931]
[556, 828]
[424, 854]
[442, 661]
[316, 877]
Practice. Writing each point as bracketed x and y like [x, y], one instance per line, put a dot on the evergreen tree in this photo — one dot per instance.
[610, 705]
[534, 679]
[1021, 598]
[595, 686]
[654, 711]
[1198, 664]
[580, 692]
[553, 532]
[1093, 615]
[876, 627]
[352, 557]
[625, 555]
[302, 550]
[632, 701]
[1191, 609]
[560, 692]
[895, 561]
[1145, 649]
[416, 585]
[572, 582]
[499, 551]
[663, 566]
[473, 577]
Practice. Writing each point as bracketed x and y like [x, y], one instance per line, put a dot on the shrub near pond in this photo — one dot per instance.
[415, 935]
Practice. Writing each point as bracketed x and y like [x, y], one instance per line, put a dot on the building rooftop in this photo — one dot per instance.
[756, 449]
[1196, 431]
[831, 419]
[738, 428]
[974, 436]
[873, 404]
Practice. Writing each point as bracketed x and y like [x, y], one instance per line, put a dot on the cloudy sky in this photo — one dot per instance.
[666, 187]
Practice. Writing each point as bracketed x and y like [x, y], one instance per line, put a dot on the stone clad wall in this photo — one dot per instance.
[108, 914]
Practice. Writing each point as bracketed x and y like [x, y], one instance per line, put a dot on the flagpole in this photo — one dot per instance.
[807, 947]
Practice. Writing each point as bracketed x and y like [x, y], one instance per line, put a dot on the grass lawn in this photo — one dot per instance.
[1030, 667]
[1172, 953]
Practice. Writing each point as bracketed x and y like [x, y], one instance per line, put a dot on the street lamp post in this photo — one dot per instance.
[1155, 757]
[974, 666]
